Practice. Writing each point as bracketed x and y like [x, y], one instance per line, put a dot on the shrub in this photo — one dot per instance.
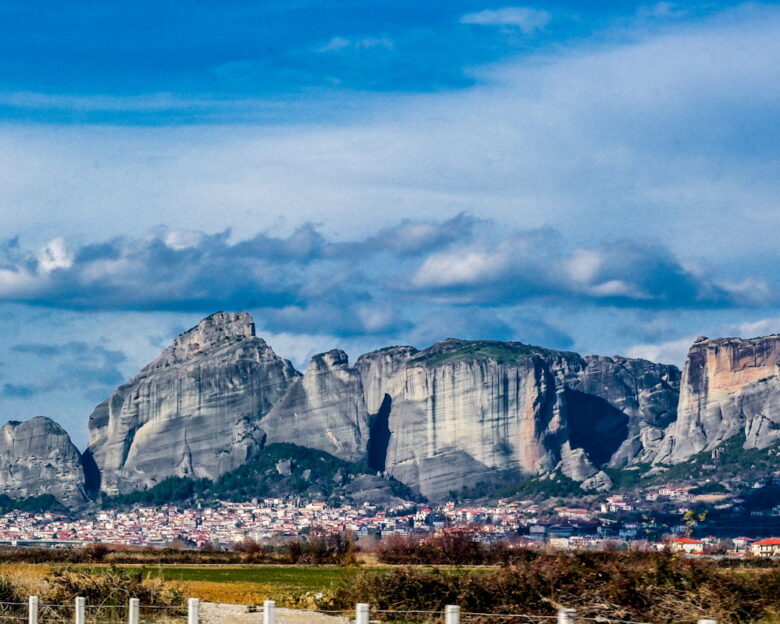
[452, 547]
[323, 547]
[646, 587]
[110, 590]
[10, 591]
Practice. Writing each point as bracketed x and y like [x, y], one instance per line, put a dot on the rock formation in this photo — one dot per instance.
[629, 400]
[729, 386]
[194, 411]
[451, 416]
[324, 409]
[462, 412]
[37, 457]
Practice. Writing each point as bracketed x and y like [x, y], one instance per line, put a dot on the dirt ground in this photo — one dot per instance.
[221, 613]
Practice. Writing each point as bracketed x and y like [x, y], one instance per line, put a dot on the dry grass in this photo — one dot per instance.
[236, 592]
[235, 584]
[29, 577]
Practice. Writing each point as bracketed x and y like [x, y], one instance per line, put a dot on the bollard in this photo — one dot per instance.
[80, 606]
[452, 614]
[269, 612]
[132, 611]
[566, 616]
[193, 611]
[32, 610]
[361, 613]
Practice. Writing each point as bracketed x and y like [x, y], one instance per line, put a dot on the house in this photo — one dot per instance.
[767, 547]
[742, 543]
[687, 545]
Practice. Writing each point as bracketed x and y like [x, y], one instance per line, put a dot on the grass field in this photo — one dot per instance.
[250, 584]
[246, 584]
[216, 583]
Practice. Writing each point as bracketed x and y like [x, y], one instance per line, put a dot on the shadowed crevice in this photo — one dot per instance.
[379, 436]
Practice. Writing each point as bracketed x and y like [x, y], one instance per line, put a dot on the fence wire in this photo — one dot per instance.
[18, 612]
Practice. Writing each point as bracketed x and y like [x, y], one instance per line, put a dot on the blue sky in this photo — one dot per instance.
[601, 177]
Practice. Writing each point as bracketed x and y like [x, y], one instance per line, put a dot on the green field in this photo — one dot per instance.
[245, 584]
[302, 578]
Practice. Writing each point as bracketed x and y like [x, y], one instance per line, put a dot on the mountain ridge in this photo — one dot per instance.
[439, 420]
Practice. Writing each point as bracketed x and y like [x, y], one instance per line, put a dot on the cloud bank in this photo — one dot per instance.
[378, 284]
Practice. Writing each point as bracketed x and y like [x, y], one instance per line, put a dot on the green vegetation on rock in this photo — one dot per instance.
[554, 486]
[502, 352]
[281, 470]
[33, 504]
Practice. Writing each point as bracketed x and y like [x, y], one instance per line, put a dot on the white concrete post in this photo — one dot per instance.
[80, 608]
[32, 610]
[193, 611]
[361, 613]
[452, 614]
[566, 616]
[707, 622]
[133, 609]
[269, 612]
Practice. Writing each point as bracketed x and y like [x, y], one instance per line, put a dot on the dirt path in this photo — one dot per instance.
[219, 613]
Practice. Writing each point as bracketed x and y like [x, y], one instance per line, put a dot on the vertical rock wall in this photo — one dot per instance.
[193, 412]
[324, 409]
[37, 457]
[729, 386]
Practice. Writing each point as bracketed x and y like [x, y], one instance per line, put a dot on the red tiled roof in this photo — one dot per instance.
[686, 540]
[772, 541]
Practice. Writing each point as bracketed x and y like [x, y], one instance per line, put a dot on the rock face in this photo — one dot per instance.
[324, 409]
[729, 386]
[452, 415]
[447, 417]
[629, 399]
[37, 457]
[194, 411]
[463, 412]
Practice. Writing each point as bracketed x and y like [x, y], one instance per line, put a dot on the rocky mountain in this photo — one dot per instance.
[730, 386]
[644, 393]
[325, 409]
[465, 412]
[37, 457]
[459, 414]
[194, 411]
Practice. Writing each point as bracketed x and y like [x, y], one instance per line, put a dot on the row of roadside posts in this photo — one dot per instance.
[133, 610]
[362, 612]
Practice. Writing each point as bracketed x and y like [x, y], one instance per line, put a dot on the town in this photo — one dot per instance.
[618, 522]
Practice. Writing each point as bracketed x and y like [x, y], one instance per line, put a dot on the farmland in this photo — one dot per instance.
[239, 584]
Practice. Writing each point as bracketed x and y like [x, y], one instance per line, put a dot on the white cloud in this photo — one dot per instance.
[335, 44]
[460, 268]
[763, 327]
[662, 10]
[670, 352]
[54, 256]
[662, 136]
[526, 19]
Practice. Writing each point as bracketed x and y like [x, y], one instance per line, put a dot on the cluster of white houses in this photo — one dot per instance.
[273, 519]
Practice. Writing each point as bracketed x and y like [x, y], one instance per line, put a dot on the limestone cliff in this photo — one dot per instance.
[463, 412]
[324, 409]
[453, 415]
[729, 386]
[194, 411]
[628, 402]
[37, 457]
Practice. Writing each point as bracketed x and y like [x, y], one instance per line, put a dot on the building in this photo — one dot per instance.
[741, 544]
[687, 545]
[767, 547]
